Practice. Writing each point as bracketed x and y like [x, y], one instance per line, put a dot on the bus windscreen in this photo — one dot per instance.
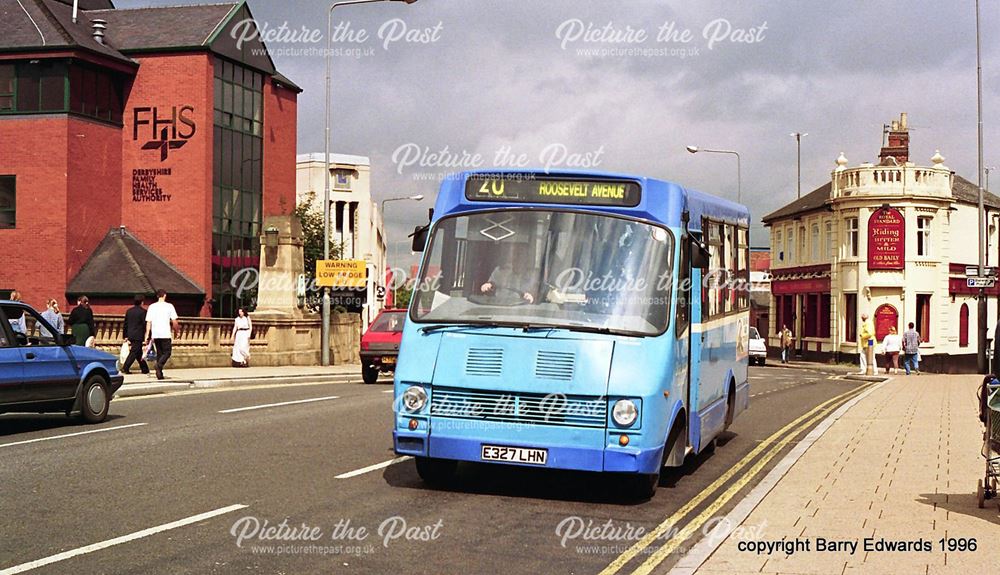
[530, 189]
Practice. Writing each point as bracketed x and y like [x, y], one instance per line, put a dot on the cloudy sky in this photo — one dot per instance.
[546, 80]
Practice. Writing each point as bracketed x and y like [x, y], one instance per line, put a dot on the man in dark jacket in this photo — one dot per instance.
[135, 332]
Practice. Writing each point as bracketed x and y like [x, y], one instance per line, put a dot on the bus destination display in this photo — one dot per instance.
[553, 191]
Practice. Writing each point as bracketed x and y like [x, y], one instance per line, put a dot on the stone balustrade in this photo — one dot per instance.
[891, 180]
[208, 342]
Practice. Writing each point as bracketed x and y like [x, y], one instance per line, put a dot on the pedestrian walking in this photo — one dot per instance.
[911, 347]
[81, 321]
[242, 328]
[55, 319]
[892, 344]
[161, 323]
[18, 324]
[866, 339]
[786, 343]
[135, 331]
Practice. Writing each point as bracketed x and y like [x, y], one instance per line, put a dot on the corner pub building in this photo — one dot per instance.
[139, 149]
[891, 239]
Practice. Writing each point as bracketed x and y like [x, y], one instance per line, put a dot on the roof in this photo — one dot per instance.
[48, 25]
[967, 192]
[164, 27]
[284, 81]
[334, 159]
[963, 190]
[814, 200]
[123, 265]
[33, 25]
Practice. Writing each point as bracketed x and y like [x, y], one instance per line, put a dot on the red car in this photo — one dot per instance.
[380, 344]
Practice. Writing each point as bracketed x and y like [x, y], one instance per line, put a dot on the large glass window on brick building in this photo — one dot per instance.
[59, 86]
[237, 183]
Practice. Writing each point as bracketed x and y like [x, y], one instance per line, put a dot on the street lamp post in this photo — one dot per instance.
[385, 232]
[982, 307]
[798, 144]
[325, 328]
[739, 170]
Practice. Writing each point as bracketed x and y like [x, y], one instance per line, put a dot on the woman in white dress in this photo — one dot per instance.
[241, 339]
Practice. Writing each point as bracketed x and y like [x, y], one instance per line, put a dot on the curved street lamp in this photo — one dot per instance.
[739, 170]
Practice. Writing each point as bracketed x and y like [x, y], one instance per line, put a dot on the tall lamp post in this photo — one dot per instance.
[385, 230]
[739, 170]
[981, 311]
[798, 144]
[325, 328]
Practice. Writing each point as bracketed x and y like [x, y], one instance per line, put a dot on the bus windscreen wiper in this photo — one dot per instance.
[525, 327]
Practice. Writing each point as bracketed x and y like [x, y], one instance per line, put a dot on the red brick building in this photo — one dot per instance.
[158, 120]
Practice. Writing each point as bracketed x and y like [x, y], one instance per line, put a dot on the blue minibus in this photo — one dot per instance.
[573, 320]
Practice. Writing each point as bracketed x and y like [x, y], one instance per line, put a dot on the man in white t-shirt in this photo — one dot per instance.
[161, 323]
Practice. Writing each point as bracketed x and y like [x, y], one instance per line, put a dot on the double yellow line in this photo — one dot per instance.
[773, 445]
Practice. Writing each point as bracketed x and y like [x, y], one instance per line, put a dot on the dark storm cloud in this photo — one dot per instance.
[499, 77]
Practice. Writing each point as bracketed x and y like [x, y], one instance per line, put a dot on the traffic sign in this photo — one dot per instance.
[380, 293]
[341, 273]
[981, 282]
[973, 272]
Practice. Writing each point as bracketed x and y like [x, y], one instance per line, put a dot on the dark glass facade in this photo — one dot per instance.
[54, 86]
[237, 184]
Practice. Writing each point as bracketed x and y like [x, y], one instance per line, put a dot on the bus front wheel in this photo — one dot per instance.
[643, 485]
[436, 471]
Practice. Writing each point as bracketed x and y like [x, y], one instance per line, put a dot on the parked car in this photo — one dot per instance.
[42, 371]
[758, 349]
[380, 344]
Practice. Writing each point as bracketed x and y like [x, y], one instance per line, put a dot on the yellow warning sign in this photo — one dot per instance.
[341, 273]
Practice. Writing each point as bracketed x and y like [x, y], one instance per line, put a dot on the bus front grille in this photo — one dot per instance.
[526, 408]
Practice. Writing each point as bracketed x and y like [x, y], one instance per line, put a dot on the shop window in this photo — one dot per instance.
[963, 326]
[850, 317]
[851, 237]
[7, 201]
[923, 236]
[924, 316]
[824, 315]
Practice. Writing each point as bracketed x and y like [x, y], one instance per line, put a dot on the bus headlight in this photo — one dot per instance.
[624, 412]
[414, 398]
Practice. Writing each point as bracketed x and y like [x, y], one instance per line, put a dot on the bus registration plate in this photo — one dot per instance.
[515, 454]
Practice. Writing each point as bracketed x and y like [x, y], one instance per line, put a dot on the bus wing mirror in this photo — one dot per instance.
[419, 238]
[699, 254]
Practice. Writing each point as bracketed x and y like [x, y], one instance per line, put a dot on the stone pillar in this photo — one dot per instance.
[280, 267]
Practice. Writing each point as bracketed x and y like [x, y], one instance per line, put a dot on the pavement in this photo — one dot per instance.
[137, 384]
[900, 465]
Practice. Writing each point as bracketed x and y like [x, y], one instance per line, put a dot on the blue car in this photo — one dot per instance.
[42, 371]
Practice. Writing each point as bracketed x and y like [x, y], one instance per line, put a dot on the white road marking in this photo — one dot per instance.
[388, 390]
[117, 540]
[364, 470]
[69, 435]
[266, 405]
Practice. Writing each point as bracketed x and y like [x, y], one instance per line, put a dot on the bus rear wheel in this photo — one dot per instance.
[436, 471]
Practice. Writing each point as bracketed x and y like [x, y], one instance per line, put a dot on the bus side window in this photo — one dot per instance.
[683, 288]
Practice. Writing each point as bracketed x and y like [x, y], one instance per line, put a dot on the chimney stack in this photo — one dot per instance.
[98, 26]
[896, 143]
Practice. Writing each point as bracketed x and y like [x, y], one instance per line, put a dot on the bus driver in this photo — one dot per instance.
[503, 278]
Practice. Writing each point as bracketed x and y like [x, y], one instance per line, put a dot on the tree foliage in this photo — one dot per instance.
[311, 220]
